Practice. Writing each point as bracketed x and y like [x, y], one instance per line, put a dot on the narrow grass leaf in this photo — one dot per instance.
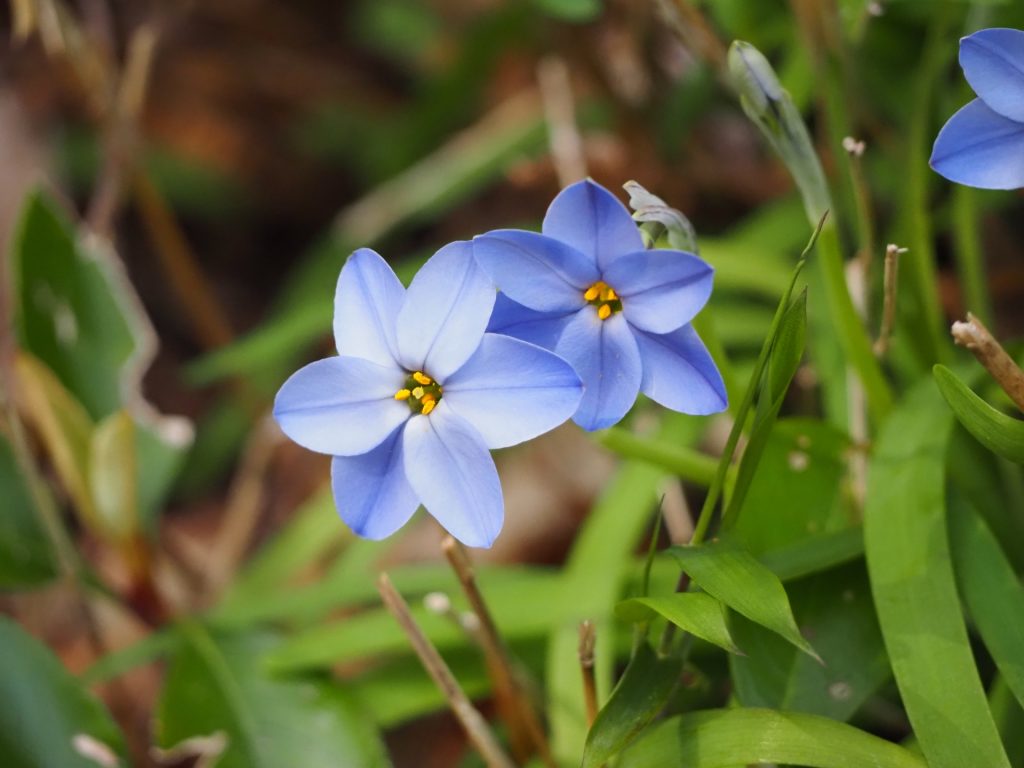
[915, 592]
[729, 737]
[991, 590]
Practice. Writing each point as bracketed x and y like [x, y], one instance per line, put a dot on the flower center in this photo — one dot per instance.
[604, 297]
[421, 392]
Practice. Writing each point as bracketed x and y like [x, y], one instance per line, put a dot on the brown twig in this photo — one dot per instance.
[514, 705]
[976, 337]
[891, 271]
[476, 727]
[586, 653]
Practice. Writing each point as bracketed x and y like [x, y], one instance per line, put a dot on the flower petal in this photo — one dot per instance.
[366, 304]
[980, 148]
[679, 373]
[371, 492]
[593, 221]
[515, 320]
[606, 357]
[511, 391]
[343, 406]
[535, 270]
[445, 312]
[660, 289]
[453, 474]
[993, 63]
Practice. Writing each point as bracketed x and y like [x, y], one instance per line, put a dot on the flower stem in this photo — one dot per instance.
[477, 730]
[513, 703]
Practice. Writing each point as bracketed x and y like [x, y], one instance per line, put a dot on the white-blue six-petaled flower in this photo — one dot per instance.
[982, 145]
[587, 289]
[419, 393]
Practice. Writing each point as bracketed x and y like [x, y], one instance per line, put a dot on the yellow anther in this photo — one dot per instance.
[428, 398]
[592, 292]
[428, 406]
[417, 392]
[422, 378]
[609, 294]
[604, 311]
[402, 394]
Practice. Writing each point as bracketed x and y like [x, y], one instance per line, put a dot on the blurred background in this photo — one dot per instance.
[181, 183]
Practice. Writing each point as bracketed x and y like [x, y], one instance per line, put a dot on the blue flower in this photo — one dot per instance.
[418, 394]
[588, 290]
[982, 145]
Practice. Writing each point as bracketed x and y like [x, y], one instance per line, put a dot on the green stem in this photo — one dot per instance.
[686, 462]
[970, 259]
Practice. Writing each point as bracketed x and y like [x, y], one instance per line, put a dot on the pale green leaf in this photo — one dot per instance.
[695, 612]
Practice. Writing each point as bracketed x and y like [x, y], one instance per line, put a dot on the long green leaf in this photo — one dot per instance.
[695, 612]
[992, 591]
[730, 737]
[44, 711]
[739, 580]
[915, 593]
[218, 683]
[26, 556]
[998, 432]
[639, 696]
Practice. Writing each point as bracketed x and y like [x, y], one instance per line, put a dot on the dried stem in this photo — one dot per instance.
[179, 264]
[892, 252]
[563, 135]
[586, 653]
[513, 702]
[122, 139]
[469, 717]
[694, 30]
[976, 337]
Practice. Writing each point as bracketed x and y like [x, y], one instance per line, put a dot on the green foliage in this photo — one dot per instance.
[915, 593]
[998, 432]
[25, 554]
[756, 736]
[218, 683]
[44, 712]
[739, 580]
[639, 696]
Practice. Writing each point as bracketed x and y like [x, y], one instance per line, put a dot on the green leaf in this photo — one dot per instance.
[915, 594]
[70, 315]
[641, 693]
[694, 612]
[218, 684]
[1001, 434]
[802, 470]
[44, 711]
[729, 737]
[571, 10]
[835, 608]
[991, 590]
[80, 317]
[735, 577]
[787, 350]
[26, 557]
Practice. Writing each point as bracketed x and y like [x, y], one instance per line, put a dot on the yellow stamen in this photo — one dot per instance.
[422, 378]
[428, 406]
[428, 398]
[417, 392]
[592, 292]
[604, 311]
[402, 394]
[609, 294]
